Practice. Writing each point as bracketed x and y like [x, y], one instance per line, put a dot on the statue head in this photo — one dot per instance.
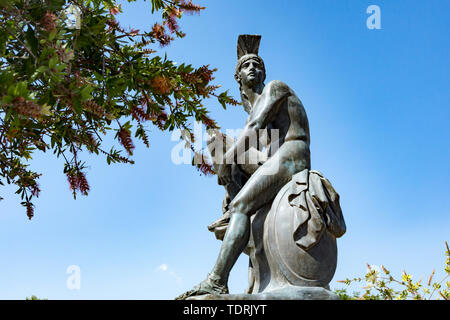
[250, 71]
[247, 54]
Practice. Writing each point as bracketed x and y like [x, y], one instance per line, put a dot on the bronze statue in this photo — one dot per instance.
[284, 216]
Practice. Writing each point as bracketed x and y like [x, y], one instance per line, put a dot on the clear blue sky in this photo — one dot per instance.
[378, 107]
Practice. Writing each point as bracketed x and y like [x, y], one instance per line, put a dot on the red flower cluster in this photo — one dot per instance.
[125, 140]
[161, 84]
[202, 163]
[201, 75]
[171, 20]
[208, 122]
[94, 108]
[157, 114]
[48, 21]
[159, 118]
[190, 7]
[145, 139]
[113, 25]
[140, 114]
[78, 181]
[26, 108]
[159, 33]
[35, 190]
[30, 210]
[205, 73]
[90, 141]
[206, 168]
[115, 10]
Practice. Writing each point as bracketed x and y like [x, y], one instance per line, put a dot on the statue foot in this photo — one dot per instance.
[208, 286]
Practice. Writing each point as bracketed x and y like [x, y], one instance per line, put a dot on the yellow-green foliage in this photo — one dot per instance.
[383, 286]
[33, 297]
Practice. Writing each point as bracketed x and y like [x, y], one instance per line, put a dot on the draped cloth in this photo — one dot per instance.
[316, 204]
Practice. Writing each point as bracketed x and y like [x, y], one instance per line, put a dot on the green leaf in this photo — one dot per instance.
[42, 69]
[86, 93]
[77, 106]
[52, 35]
[32, 40]
[52, 62]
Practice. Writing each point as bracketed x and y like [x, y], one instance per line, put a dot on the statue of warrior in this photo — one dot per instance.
[272, 107]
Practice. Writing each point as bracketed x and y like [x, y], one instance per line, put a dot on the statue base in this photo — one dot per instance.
[286, 293]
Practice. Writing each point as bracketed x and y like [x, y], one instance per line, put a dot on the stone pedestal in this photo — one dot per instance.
[286, 293]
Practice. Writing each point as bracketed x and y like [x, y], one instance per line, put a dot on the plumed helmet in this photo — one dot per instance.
[247, 48]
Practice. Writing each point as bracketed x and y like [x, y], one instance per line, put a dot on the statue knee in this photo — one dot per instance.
[237, 207]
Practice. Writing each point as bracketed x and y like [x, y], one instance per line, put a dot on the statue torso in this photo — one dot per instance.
[290, 120]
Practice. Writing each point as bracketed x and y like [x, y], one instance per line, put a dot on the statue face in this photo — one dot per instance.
[251, 73]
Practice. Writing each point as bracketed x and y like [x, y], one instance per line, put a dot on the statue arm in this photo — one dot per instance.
[267, 107]
[217, 144]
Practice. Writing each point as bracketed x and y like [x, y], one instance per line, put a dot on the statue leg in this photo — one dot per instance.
[260, 189]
